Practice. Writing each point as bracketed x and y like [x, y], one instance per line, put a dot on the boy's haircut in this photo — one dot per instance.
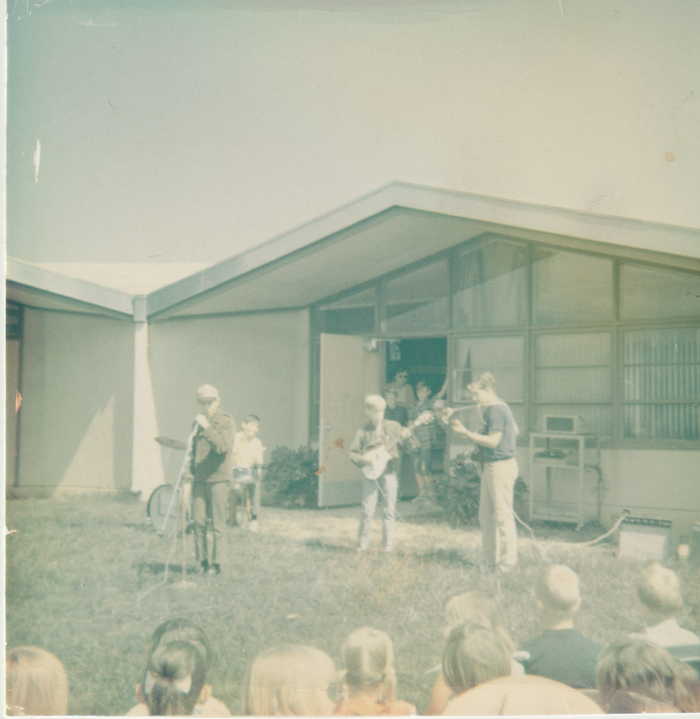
[557, 588]
[477, 607]
[35, 683]
[640, 667]
[422, 383]
[174, 679]
[368, 662]
[399, 370]
[291, 680]
[180, 629]
[484, 381]
[659, 590]
[375, 401]
[473, 655]
[252, 418]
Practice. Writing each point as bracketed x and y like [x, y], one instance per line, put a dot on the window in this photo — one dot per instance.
[417, 300]
[653, 293]
[662, 383]
[573, 377]
[491, 286]
[352, 315]
[504, 358]
[571, 287]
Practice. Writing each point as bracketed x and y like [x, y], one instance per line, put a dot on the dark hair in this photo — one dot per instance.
[252, 418]
[422, 384]
[633, 665]
[182, 630]
[398, 370]
[474, 654]
[169, 664]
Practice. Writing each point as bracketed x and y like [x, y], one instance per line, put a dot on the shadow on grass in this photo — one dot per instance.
[448, 556]
[155, 568]
[327, 547]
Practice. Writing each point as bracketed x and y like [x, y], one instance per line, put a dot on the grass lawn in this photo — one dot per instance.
[78, 571]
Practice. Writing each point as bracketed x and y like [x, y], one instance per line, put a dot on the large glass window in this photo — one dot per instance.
[654, 293]
[662, 383]
[573, 377]
[417, 300]
[491, 286]
[571, 287]
[352, 315]
[504, 358]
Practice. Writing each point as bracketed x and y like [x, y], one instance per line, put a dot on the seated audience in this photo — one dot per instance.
[560, 652]
[369, 677]
[636, 673]
[183, 630]
[35, 683]
[473, 655]
[289, 681]
[472, 607]
[174, 684]
[659, 592]
[523, 695]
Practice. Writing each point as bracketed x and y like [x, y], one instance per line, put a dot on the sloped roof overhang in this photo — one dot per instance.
[388, 229]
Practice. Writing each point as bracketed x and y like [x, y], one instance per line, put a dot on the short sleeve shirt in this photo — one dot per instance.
[499, 418]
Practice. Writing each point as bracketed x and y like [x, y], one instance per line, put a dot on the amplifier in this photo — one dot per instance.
[642, 538]
[564, 424]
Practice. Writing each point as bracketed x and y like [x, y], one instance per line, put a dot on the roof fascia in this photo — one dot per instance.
[625, 232]
[22, 273]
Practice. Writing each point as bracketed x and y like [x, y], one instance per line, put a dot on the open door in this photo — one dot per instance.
[349, 372]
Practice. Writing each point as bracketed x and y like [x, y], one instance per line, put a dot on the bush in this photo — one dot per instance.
[291, 479]
[458, 491]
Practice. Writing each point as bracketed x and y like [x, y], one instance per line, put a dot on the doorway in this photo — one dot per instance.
[425, 360]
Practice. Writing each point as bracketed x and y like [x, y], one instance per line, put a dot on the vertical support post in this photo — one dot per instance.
[147, 463]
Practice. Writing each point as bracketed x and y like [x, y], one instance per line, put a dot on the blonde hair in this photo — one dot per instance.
[368, 663]
[35, 683]
[640, 667]
[292, 680]
[474, 654]
[659, 590]
[375, 401]
[477, 607]
[557, 588]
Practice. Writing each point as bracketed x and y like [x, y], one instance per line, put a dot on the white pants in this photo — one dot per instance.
[499, 536]
[387, 486]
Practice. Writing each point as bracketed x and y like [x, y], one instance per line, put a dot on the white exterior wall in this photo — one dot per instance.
[77, 403]
[258, 362]
[656, 484]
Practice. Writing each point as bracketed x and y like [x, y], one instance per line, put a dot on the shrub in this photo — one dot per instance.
[457, 492]
[290, 478]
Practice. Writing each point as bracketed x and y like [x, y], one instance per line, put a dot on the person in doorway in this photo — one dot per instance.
[395, 412]
[404, 391]
[210, 471]
[423, 426]
[248, 454]
[376, 450]
[497, 447]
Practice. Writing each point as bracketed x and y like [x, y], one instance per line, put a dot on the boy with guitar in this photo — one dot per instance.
[375, 449]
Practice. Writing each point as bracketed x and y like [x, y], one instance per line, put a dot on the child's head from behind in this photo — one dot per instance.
[476, 607]
[558, 593]
[640, 667]
[251, 425]
[292, 680]
[659, 591]
[35, 683]
[474, 654]
[174, 680]
[368, 663]
[182, 630]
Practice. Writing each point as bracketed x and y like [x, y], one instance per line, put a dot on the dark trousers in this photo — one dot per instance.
[210, 499]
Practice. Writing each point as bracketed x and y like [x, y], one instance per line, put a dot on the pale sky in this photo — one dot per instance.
[183, 135]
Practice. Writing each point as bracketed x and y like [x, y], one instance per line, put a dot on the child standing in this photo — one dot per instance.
[369, 677]
[423, 425]
[248, 454]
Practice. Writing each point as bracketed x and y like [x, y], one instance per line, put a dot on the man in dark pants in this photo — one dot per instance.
[210, 472]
